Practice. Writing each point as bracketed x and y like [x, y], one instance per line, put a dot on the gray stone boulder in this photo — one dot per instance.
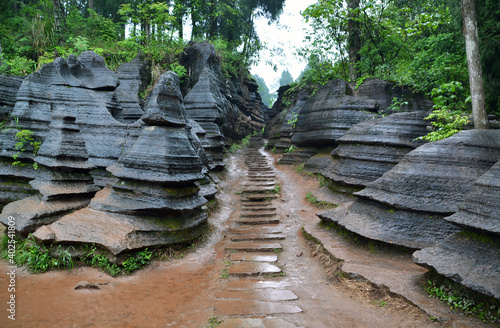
[379, 222]
[371, 148]
[467, 258]
[65, 184]
[437, 176]
[155, 200]
[336, 106]
[9, 85]
[480, 209]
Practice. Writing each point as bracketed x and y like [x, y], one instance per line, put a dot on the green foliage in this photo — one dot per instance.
[450, 112]
[18, 66]
[293, 120]
[214, 322]
[136, 262]
[267, 98]
[397, 104]
[25, 140]
[180, 70]
[459, 298]
[243, 143]
[277, 189]
[319, 203]
[291, 149]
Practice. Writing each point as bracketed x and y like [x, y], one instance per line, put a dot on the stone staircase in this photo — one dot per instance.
[253, 295]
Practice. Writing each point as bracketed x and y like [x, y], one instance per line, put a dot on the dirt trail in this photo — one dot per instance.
[257, 270]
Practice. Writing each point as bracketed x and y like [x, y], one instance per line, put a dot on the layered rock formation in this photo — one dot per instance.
[65, 185]
[156, 201]
[429, 183]
[333, 109]
[223, 107]
[371, 148]
[96, 96]
[9, 85]
[471, 257]
[437, 176]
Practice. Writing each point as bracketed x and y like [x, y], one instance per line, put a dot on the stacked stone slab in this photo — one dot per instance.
[407, 205]
[371, 148]
[472, 257]
[9, 85]
[93, 93]
[223, 107]
[155, 201]
[64, 185]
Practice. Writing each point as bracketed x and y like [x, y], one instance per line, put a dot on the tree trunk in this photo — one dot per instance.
[91, 4]
[474, 63]
[354, 38]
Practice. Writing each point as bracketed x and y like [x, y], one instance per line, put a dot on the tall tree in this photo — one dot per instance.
[354, 38]
[286, 78]
[474, 65]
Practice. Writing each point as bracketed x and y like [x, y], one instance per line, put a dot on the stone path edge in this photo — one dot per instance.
[413, 295]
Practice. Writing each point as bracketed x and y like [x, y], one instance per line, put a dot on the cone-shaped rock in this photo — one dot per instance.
[165, 106]
[155, 201]
[66, 184]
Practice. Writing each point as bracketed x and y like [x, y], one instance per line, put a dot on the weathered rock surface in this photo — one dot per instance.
[471, 261]
[437, 176]
[155, 200]
[371, 148]
[298, 156]
[480, 209]
[379, 222]
[318, 163]
[223, 107]
[9, 85]
[66, 184]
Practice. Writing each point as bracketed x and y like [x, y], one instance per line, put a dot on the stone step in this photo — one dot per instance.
[257, 208]
[260, 184]
[249, 283]
[262, 180]
[248, 269]
[257, 214]
[256, 323]
[269, 295]
[237, 308]
[258, 220]
[257, 229]
[261, 237]
[248, 246]
[257, 197]
[256, 204]
[251, 190]
[254, 257]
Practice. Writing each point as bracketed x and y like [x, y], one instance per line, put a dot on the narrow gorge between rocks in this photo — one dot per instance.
[187, 202]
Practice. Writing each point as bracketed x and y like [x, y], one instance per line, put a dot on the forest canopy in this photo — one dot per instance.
[33, 32]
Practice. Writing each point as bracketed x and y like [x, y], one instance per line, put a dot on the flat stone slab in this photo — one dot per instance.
[259, 220]
[262, 179]
[252, 269]
[269, 295]
[257, 229]
[256, 207]
[253, 308]
[263, 237]
[257, 197]
[258, 189]
[254, 246]
[248, 206]
[249, 283]
[379, 222]
[471, 262]
[260, 184]
[254, 257]
[256, 323]
[257, 214]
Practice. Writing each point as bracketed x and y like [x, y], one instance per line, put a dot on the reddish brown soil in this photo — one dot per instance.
[181, 292]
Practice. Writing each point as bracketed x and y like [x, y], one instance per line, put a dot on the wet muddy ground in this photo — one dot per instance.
[289, 283]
